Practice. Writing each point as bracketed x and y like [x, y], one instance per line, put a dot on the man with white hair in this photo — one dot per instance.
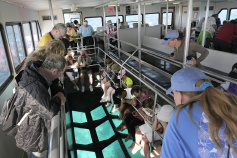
[86, 32]
[59, 30]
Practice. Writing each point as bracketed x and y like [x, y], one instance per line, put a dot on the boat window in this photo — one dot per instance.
[222, 15]
[28, 37]
[131, 19]
[35, 34]
[153, 19]
[113, 18]
[170, 16]
[4, 67]
[95, 21]
[233, 13]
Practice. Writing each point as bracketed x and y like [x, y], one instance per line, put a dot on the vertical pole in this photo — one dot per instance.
[117, 30]
[188, 28]
[205, 23]
[51, 12]
[167, 10]
[105, 45]
[179, 20]
[144, 19]
[139, 38]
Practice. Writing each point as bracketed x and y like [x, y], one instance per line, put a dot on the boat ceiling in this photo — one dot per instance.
[39, 5]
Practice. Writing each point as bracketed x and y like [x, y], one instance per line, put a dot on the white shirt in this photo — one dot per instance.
[129, 95]
[210, 21]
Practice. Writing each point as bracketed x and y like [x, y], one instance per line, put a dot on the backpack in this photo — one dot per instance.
[9, 116]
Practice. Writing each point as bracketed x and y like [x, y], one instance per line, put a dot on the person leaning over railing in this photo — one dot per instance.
[204, 122]
[37, 104]
[174, 39]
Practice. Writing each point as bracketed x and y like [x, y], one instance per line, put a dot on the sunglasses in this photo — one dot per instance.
[166, 39]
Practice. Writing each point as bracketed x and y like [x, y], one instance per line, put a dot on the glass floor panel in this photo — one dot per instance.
[98, 113]
[83, 136]
[104, 131]
[114, 150]
[79, 117]
[85, 154]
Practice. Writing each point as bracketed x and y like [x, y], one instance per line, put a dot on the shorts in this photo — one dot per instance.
[69, 74]
[86, 70]
[146, 130]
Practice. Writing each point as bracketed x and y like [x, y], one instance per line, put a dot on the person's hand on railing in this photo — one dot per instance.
[82, 37]
[61, 96]
[192, 62]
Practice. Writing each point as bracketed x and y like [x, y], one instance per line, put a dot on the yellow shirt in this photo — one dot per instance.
[44, 39]
[72, 32]
[127, 82]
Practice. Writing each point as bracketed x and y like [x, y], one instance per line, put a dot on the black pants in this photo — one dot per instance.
[88, 41]
[131, 123]
[221, 45]
[72, 44]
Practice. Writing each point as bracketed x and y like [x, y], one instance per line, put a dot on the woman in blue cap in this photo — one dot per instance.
[204, 122]
[174, 39]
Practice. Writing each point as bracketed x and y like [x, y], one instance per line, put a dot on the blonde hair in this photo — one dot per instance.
[220, 108]
[51, 47]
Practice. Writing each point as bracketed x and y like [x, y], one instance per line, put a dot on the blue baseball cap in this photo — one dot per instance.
[185, 79]
[173, 34]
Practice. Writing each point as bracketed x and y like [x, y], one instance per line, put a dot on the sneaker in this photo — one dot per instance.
[142, 152]
[76, 87]
[102, 100]
[82, 88]
[115, 108]
[108, 104]
[91, 88]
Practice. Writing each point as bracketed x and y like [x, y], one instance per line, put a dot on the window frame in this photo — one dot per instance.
[230, 13]
[38, 29]
[5, 45]
[227, 14]
[171, 18]
[32, 38]
[115, 16]
[18, 67]
[134, 14]
[155, 13]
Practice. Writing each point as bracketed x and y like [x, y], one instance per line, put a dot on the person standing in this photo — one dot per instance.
[86, 32]
[58, 32]
[72, 35]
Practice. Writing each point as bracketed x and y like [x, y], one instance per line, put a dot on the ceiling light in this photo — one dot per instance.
[113, 5]
[176, 3]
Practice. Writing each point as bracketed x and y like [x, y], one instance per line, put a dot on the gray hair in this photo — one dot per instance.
[54, 61]
[60, 26]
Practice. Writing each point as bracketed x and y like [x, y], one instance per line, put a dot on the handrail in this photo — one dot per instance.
[58, 144]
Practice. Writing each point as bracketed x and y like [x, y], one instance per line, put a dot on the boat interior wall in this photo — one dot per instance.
[131, 35]
[222, 61]
[15, 13]
[46, 25]
[155, 43]
[225, 5]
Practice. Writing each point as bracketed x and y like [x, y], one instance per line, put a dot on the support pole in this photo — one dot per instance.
[144, 19]
[51, 12]
[188, 28]
[167, 10]
[205, 23]
[105, 45]
[139, 39]
[118, 30]
[179, 20]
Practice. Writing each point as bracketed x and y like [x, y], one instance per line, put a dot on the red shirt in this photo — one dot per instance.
[226, 32]
[111, 31]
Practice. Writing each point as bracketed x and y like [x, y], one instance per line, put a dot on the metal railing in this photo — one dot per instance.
[58, 143]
